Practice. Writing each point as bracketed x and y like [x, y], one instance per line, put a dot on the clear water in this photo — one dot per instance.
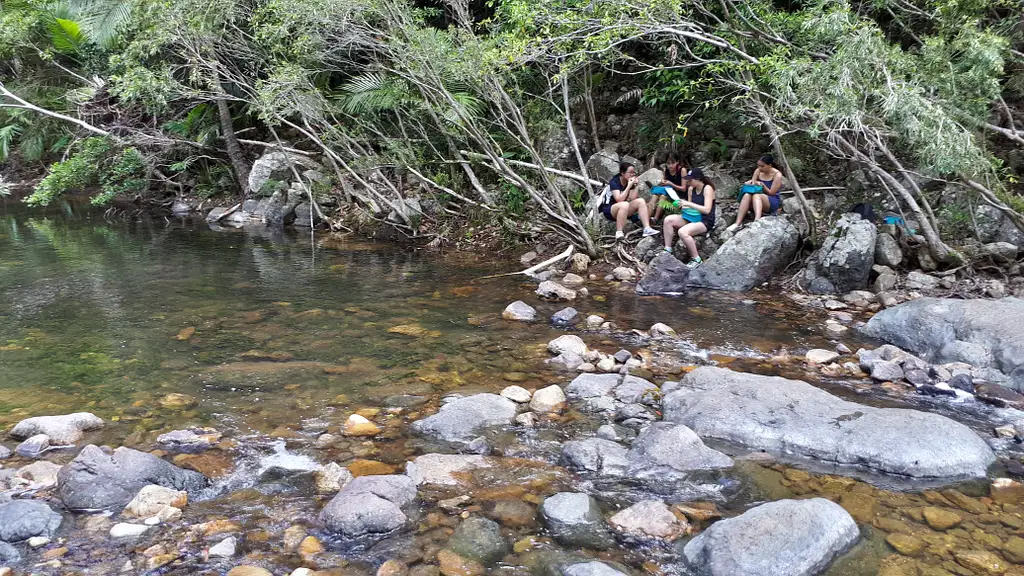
[276, 337]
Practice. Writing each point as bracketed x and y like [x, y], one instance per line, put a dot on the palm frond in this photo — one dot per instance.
[103, 19]
[629, 96]
[66, 35]
[372, 92]
[7, 135]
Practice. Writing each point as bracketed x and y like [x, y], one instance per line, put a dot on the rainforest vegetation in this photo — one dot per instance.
[148, 100]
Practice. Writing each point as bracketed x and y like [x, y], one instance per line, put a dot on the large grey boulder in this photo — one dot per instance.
[277, 165]
[666, 274]
[575, 520]
[24, 519]
[994, 226]
[784, 538]
[97, 480]
[9, 554]
[667, 451]
[598, 455]
[847, 254]
[62, 430]
[749, 258]
[463, 419]
[603, 165]
[793, 418]
[981, 332]
[369, 505]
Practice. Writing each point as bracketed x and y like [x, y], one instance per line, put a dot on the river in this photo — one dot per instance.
[273, 338]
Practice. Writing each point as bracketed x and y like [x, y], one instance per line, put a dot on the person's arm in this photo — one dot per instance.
[753, 178]
[633, 189]
[620, 195]
[776, 184]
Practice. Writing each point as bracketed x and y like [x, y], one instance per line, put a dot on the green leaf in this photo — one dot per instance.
[66, 35]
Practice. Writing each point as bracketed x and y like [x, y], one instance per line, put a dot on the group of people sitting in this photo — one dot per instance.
[684, 202]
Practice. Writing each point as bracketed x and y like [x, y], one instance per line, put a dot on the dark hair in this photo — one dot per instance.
[625, 166]
[698, 174]
[768, 159]
[672, 157]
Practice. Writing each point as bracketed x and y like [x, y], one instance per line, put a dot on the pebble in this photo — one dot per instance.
[393, 568]
[225, 549]
[124, 530]
[819, 356]
[527, 419]
[176, 401]
[517, 394]
[310, 546]
[454, 565]
[38, 541]
[357, 425]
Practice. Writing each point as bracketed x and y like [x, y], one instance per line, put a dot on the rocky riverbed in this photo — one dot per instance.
[286, 417]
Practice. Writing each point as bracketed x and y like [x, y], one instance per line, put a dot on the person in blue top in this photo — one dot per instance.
[622, 201]
[698, 214]
[769, 179]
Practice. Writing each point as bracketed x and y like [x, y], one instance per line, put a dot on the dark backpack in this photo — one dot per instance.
[865, 210]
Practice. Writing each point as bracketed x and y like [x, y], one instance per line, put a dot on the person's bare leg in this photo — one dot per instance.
[686, 234]
[759, 206]
[620, 211]
[641, 208]
[744, 206]
[669, 229]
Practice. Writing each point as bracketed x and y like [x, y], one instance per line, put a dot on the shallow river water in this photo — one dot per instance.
[274, 339]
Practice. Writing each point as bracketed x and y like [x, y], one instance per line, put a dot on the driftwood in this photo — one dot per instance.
[535, 268]
[226, 213]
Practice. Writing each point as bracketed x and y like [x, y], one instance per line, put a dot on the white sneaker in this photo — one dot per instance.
[650, 231]
[694, 262]
[619, 234]
[732, 228]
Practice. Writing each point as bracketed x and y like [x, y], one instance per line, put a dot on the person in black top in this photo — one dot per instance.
[698, 216]
[621, 201]
[673, 180]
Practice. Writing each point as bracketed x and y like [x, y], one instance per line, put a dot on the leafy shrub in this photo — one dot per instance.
[96, 161]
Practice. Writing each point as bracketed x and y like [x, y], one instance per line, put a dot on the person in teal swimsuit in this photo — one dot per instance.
[769, 179]
[697, 217]
[674, 174]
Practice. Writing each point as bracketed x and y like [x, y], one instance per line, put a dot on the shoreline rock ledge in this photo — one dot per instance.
[979, 332]
[793, 418]
[783, 538]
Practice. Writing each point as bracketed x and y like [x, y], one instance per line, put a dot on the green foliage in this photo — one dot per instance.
[513, 199]
[94, 162]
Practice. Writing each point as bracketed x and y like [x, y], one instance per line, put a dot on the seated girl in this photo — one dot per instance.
[768, 179]
[621, 201]
[673, 180]
[697, 217]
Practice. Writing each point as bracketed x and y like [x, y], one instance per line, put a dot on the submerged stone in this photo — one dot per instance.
[575, 520]
[24, 519]
[61, 430]
[369, 505]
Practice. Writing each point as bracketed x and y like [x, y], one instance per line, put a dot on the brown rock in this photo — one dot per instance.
[212, 463]
[424, 570]
[161, 560]
[906, 544]
[698, 511]
[185, 333]
[998, 395]
[860, 506]
[218, 527]
[293, 536]
[512, 513]
[1005, 491]
[175, 401]
[1013, 549]
[310, 546]
[941, 519]
[965, 502]
[393, 568]
[55, 553]
[249, 571]
[891, 525]
[982, 561]
[357, 425]
[988, 540]
[370, 468]
[454, 565]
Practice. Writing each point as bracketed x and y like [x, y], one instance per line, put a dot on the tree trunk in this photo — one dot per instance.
[572, 138]
[235, 154]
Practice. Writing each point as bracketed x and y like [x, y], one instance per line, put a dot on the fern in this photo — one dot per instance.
[372, 92]
[633, 95]
[103, 19]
